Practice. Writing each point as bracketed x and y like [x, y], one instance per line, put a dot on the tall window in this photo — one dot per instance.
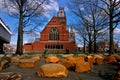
[54, 34]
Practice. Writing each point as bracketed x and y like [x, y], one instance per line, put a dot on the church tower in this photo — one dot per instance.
[62, 17]
[71, 35]
[61, 13]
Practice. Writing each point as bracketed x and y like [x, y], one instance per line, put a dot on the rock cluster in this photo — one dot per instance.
[56, 66]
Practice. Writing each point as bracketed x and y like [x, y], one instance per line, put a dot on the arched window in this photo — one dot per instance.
[54, 34]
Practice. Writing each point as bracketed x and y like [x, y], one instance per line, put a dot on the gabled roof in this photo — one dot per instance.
[54, 17]
[6, 27]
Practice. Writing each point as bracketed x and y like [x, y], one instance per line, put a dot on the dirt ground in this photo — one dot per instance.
[99, 72]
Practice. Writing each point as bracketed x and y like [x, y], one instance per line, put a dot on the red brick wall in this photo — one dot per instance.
[27, 48]
[38, 46]
[70, 46]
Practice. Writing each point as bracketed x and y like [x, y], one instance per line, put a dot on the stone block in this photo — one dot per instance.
[98, 61]
[95, 56]
[39, 55]
[81, 55]
[1, 55]
[90, 60]
[66, 63]
[3, 64]
[52, 70]
[28, 63]
[82, 67]
[117, 57]
[52, 59]
[67, 55]
[9, 55]
[80, 59]
[110, 59]
[70, 60]
[36, 58]
[15, 59]
[49, 55]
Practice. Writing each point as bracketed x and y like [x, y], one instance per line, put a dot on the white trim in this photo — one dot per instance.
[5, 26]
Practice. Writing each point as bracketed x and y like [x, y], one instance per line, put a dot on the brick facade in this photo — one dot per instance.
[54, 37]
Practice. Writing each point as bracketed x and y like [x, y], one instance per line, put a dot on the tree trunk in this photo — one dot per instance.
[90, 47]
[95, 47]
[111, 44]
[20, 35]
[84, 48]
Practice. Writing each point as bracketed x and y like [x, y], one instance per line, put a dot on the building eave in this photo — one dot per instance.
[6, 28]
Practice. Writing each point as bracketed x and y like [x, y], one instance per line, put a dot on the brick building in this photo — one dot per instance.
[54, 37]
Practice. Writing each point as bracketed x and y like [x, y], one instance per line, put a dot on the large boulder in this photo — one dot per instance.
[67, 55]
[52, 70]
[28, 63]
[10, 76]
[71, 60]
[98, 59]
[80, 59]
[110, 59]
[4, 64]
[49, 55]
[9, 55]
[35, 57]
[26, 56]
[6, 58]
[15, 59]
[90, 60]
[67, 63]
[82, 67]
[1, 55]
[82, 55]
[117, 57]
[52, 59]
[39, 55]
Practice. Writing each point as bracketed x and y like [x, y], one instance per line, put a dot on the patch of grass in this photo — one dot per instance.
[55, 52]
[75, 53]
[31, 53]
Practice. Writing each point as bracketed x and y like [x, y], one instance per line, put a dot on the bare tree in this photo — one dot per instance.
[83, 36]
[27, 11]
[92, 21]
[112, 9]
